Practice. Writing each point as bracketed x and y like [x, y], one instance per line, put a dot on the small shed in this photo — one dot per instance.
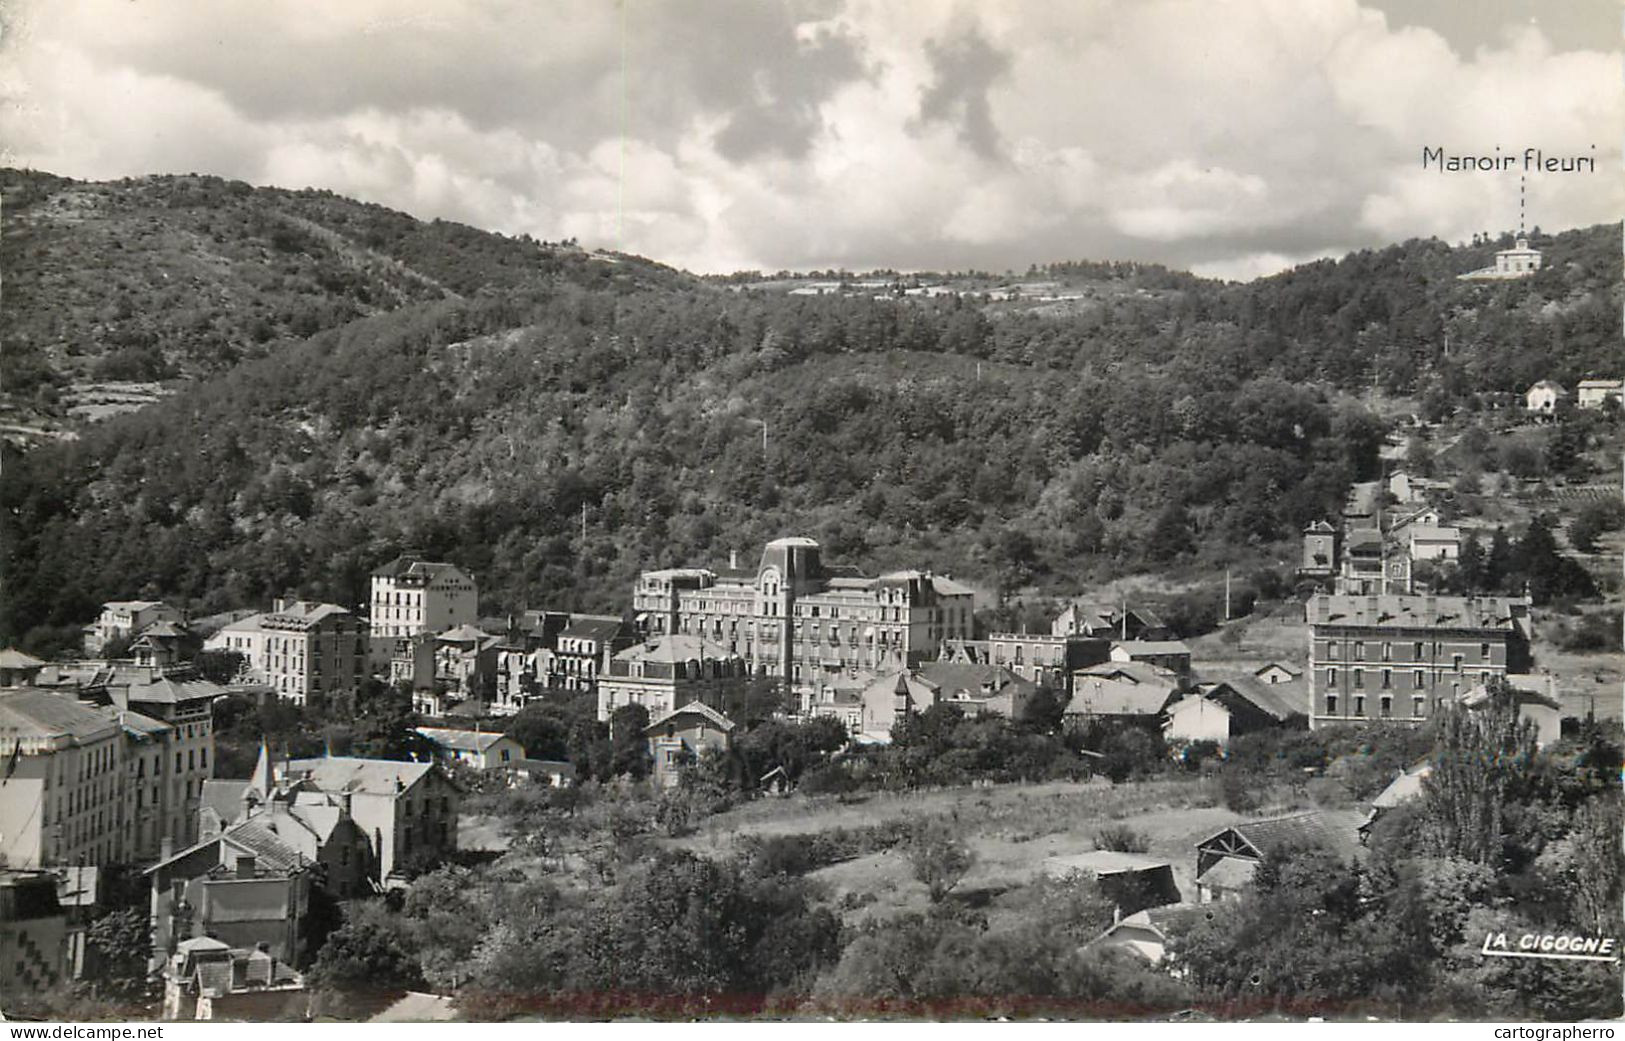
[1133, 881]
[776, 782]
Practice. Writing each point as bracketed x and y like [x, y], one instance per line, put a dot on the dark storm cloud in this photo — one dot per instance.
[964, 68]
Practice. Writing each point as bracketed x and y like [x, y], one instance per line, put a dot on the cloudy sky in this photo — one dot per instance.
[1233, 138]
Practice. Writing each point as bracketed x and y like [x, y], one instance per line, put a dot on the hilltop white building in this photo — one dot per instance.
[1518, 262]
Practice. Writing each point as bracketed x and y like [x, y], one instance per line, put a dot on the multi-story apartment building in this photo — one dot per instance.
[583, 648]
[412, 596]
[796, 620]
[183, 758]
[149, 820]
[669, 672]
[1041, 658]
[305, 651]
[1400, 657]
[125, 618]
[61, 782]
[403, 809]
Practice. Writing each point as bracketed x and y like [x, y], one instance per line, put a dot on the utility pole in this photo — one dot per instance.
[1227, 594]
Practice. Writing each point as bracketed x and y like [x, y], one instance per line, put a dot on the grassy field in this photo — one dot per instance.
[1012, 829]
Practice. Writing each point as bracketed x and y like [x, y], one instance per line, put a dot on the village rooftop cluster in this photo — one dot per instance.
[110, 760]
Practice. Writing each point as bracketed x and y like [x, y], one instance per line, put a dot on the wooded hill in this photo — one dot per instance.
[477, 424]
[155, 278]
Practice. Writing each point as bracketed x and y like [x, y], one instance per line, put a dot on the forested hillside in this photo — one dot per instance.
[510, 391]
[183, 276]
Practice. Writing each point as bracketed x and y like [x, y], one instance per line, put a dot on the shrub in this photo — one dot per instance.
[1122, 838]
[1240, 793]
[940, 859]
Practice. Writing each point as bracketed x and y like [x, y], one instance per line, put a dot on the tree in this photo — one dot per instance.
[543, 730]
[1170, 535]
[1044, 711]
[373, 949]
[1470, 565]
[1498, 562]
[219, 666]
[1479, 758]
[629, 749]
[1548, 574]
[939, 858]
[1565, 452]
[1588, 865]
[122, 943]
[1592, 520]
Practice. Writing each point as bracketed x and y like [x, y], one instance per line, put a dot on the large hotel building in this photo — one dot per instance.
[796, 619]
[1399, 657]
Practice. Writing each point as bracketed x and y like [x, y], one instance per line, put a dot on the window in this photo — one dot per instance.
[1331, 677]
[1483, 652]
[1387, 652]
[1456, 662]
[1359, 650]
[1418, 705]
[1419, 650]
[1387, 679]
[1331, 704]
[1331, 648]
[1359, 704]
[1359, 678]
[1418, 679]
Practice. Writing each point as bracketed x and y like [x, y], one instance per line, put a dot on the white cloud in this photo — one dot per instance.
[725, 133]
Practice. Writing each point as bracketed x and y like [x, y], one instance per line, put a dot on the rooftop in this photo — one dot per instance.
[31, 713]
[1152, 646]
[1278, 700]
[1121, 689]
[464, 634]
[592, 627]
[673, 649]
[1103, 862]
[462, 740]
[1337, 830]
[350, 774]
[1427, 611]
[12, 658]
[412, 567]
[969, 679]
[693, 708]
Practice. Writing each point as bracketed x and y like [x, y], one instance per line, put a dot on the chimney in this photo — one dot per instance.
[733, 560]
[245, 865]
